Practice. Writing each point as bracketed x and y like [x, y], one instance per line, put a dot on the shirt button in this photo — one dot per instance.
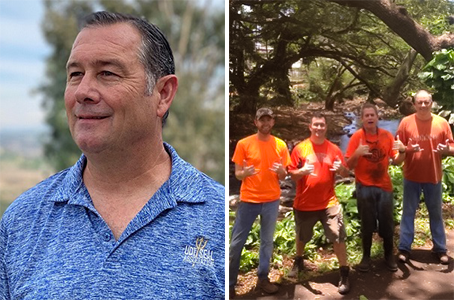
[107, 236]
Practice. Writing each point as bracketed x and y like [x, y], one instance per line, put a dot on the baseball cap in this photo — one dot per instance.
[264, 111]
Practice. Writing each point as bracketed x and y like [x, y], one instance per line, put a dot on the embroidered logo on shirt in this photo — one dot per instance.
[198, 254]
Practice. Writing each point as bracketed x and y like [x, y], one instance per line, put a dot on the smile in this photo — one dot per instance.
[91, 117]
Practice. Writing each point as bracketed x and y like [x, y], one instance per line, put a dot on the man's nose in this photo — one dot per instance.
[87, 90]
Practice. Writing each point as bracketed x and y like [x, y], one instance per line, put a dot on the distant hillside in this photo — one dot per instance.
[22, 163]
[23, 142]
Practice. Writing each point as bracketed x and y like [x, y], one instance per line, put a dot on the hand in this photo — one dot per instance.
[308, 169]
[337, 164]
[249, 170]
[414, 147]
[278, 168]
[362, 150]
[398, 145]
[443, 149]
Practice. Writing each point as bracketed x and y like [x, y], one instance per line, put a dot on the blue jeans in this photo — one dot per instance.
[375, 207]
[245, 217]
[432, 198]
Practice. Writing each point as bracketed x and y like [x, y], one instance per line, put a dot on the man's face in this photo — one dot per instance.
[369, 118]
[423, 103]
[105, 98]
[264, 124]
[318, 127]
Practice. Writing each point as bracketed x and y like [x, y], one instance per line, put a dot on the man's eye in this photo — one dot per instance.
[107, 73]
[74, 74]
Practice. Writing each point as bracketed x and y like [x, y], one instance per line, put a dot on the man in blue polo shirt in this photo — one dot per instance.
[131, 219]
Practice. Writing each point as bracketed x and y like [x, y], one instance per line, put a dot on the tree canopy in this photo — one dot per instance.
[286, 52]
[195, 30]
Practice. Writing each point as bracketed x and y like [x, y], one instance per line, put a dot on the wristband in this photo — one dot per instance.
[402, 151]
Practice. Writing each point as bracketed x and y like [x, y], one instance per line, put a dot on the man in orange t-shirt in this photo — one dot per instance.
[315, 161]
[368, 153]
[260, 161]
[428, 138]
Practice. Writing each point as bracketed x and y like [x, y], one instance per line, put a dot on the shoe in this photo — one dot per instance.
[344, 283]
[266, 286]
[404, 256]
[443, 257]
[298, 266]
[364, 265]
[232, 292]
[391, 263]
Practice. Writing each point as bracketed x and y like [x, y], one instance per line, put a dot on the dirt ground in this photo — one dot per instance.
[422, 278]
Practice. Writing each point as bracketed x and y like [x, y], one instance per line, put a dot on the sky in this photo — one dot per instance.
[23, 51]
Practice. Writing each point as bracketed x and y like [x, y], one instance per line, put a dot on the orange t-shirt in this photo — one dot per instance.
[372, 170]
[424, 166]
[315, 192]
[264, 186]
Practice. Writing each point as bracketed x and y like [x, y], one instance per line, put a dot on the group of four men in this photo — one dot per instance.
[261, 160]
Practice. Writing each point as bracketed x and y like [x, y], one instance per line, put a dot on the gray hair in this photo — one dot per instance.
[154, 52]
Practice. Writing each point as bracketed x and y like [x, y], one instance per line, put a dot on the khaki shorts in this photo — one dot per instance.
[331, 219]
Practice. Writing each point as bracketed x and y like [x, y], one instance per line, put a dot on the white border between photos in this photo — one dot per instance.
[226, 145]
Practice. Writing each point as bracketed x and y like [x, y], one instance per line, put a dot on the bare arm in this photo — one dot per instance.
[362, 150]
[400, 147]
[241, 172]
[280, 170]
[307, 169]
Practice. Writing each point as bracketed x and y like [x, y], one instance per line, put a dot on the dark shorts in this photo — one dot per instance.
[331, 218]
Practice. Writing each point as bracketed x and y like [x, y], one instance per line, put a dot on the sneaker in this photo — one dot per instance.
[344, 283]
[443, 257]
[298, 266]
[232, 292]
[364, 265]
[391, 263]
[404, 256]
[266, 286]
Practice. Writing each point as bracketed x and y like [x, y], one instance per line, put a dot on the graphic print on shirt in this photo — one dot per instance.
[377, 156]
[197, 254]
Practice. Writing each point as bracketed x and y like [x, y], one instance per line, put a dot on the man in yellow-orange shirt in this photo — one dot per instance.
[260, 162]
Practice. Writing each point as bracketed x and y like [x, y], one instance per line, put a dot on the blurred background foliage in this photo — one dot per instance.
[195, 30]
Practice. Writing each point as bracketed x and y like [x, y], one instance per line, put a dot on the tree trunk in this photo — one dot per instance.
[248, 96]
[391, 93]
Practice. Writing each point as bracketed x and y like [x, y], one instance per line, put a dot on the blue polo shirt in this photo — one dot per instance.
[55, 245]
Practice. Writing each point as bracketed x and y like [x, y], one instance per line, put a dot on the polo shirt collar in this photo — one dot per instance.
[184, 184]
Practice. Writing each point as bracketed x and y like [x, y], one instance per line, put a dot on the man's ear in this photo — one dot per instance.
[165, 89]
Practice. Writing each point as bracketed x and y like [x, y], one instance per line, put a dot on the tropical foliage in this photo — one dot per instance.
[439, 75]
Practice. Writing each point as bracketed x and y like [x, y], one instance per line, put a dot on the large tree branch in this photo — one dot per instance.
[397, 19]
